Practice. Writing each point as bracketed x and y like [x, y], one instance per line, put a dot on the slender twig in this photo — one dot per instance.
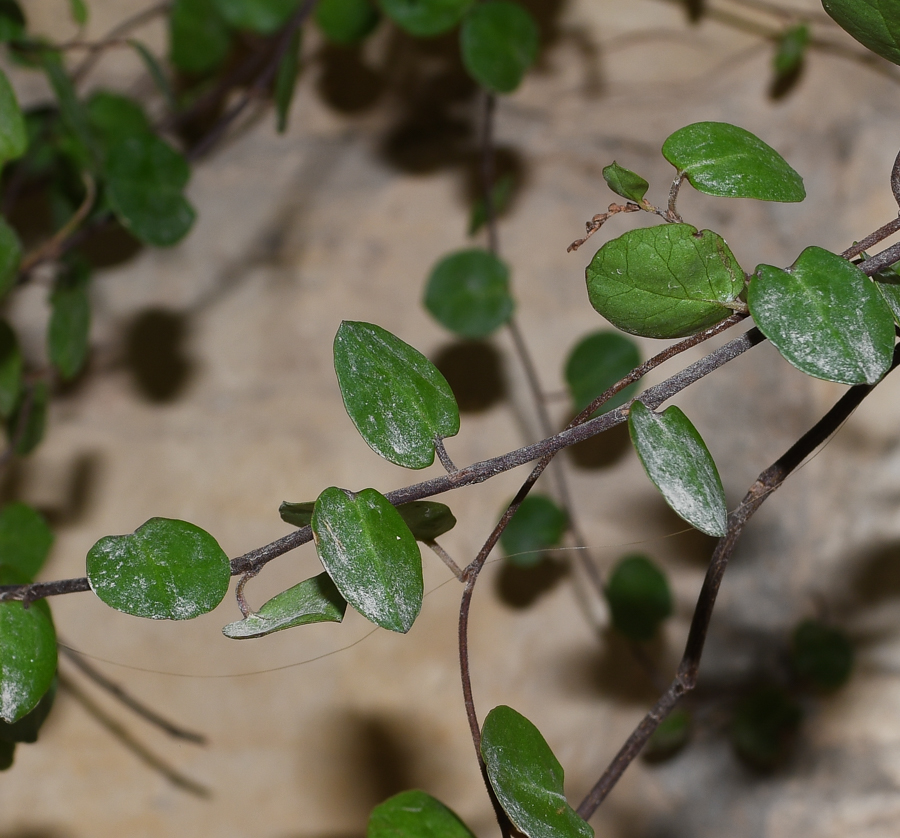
[686, 677]
[885, 259]
[445, 557]
[878, 236]
[672, 213]
[443, 456]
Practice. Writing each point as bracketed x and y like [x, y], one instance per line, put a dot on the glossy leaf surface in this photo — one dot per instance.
[29, 726]
[874, 23]
[468, 293]
[298, 514]
[825, 316]
[10, 369]
[145, 180]
[165, 570]
[821, 655]
[722, 159]
[314, 600]
[664, 282]
[764, 725]
[626, 183]
[25, 539]
[639, 597]
[597, 362]
[679, 464]
[395, 396]
[70, 319]
[199, 40]
[346, 21]
[427, 519]
[10, 253]
[13, 137]
[371, 555]
[415, 814]
[262, 16]
[424, 18]
[537, 525]
[499, 41]
[527, 778]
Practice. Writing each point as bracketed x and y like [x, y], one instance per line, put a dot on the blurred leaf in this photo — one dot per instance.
[10, 254]
[296, 514]
[887, 281]
[722, 159]
[199, 40]
[597, 362]
[371, 555]
[825, 316]
[114, 118]
[679, 464]
[537, 525]
[415, 814]
[71, 109]
[13, 137]
[527, 778]
[500, 195]
[31, 414]
[639, 597]
[626, 183]
[468, 293]
[424, 18]
[764, 726]
[285, 81]
[165, 570]
[791, 50]
[427, 519]
[395, 396]
[145, 179]
[669, 738]
[874, 23]
[68, 331]
[821, 655]
[156, 73]
[314, 600]
[12, 21]
[10, 370]
[25, 539]
[79, 11]
[664, 282]
[27, 728]
[346, 21]
[262, 16]
[499, 41]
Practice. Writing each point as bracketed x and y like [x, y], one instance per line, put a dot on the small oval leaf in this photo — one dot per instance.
[499, 41]
[165, 570]
[639, 597]
[29, 726]
[314, 600]
[297, 514]
[346, 21]
[68, 331]
[664, 282]
[427, 519]
[821, 655]
[624, 182]
[597, 362]
[791, 50]
[415, 814]
[679, 464]
[527, 778]
[25, 539]
[825, 316]
[261, 16]
[764, 727]
[199, 40]
[371, 555]
[395, 396]
[537, 525]
[874, 23]
[424, 18]
[722, 159]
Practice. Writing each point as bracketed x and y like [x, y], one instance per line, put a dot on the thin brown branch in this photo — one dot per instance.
[879, 235]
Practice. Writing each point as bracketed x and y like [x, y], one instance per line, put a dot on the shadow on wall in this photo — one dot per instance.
[155, 354]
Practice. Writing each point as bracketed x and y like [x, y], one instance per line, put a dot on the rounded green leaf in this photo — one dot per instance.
[145, 179]
[664, 282]
[722, 159]
[764, 726]
[639, 597]
[527, 778]
[10, 253]
[346, 21]
[262, 16]
[68, 330]
[298, 514]
[28, 727]
[874, 23]
[596, 363]
[10, 369]
[424, 18]
[679, 464]
[670, 737]
[13, 137]
[395, 396]
[371, 555]
[165, 570]
[537, 525]
[821, 655]
[427, 519]
[314, 600]
[114, 118]
[415, 814]
[499, 41]
[468, 293]
[199, 40]
[791, 50]
[825, 316]
[626, 183]
[25, 539]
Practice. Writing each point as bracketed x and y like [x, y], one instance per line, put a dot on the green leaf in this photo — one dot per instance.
[79, 11]
[825, 316]
[145, 179]
[262, 16]
[70, 319]
[27, 653]
[165, 570]
[297, 514]
[537, 525]
[764, 726]
[12, 21]
[25, 539]
[10, 254]
[527, 778]
[626, 183]
[27, 728]
[874, 23]
[286, 80]
[669, 738]
[13, 137]
[199, 40]
[427, 519]
[29, 419]
[722, 159]
[371, 555]
[395, 396]
[346, 21]
[468, 293]
[639, 597]
[10, 369]
[679, 464]
[597, 362]
[424, 18]
[500, 195]
[499, 41]
[791, 50]
[114, 118]
[664, 282]
[314, 600]
[415, 814]
[156, 73]
[71, 109]
[821, 655]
